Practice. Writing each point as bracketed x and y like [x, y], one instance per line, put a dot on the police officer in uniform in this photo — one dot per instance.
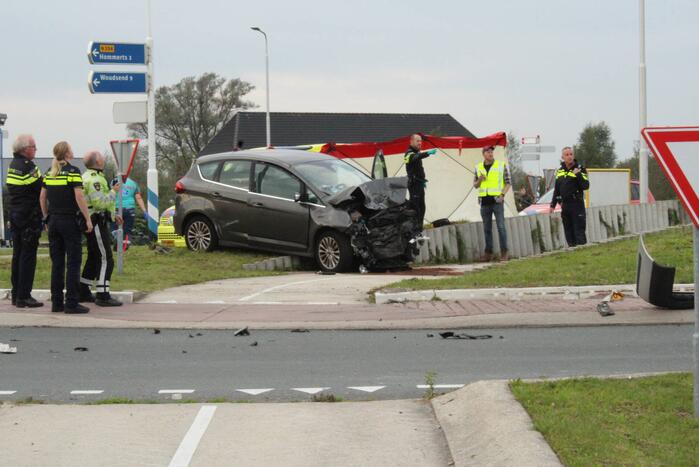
[571, 182]
[65, 211]
[101, 203]
[416, 174]
[23, 186]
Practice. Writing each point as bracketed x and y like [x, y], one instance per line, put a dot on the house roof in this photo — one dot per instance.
[299, 128]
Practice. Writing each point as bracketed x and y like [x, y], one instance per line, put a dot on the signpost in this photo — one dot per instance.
[112, 82]
[677, 151]
[124, 154]
[99, 53]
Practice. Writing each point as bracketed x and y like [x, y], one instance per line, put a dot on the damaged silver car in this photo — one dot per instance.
[297, 203]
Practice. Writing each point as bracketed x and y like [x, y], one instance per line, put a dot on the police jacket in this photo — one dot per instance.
[100, 198]
[413, 164]
[569, 186]
[23, 187]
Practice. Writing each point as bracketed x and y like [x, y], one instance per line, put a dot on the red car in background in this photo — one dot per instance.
[543, 203]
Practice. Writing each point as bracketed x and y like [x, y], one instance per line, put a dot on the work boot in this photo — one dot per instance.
[14, 300]
[85, 294]
[106, 300]
[30, 302]
[504, 256]
[77, 309]
[486, 257]
[57, 308]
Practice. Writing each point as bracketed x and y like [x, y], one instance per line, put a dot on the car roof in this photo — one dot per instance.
[284, 157]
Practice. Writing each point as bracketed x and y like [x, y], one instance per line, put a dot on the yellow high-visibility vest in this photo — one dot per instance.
[494, 181]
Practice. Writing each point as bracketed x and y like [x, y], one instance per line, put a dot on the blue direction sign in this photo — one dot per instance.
[113, 53]
[117, 82]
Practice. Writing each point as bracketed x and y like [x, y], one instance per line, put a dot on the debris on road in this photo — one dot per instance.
[254, 344]
[242, 332]
[5, 348]
[300, 330]
[430, 335]
[604, 310]
[80, 349]
[453, 335]
[156, 331]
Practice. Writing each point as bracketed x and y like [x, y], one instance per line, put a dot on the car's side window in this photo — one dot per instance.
[208, 170]
[235, 173]
[312, 198]
[273, 181]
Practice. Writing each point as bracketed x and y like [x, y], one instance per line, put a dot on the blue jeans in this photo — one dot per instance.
[487, 212]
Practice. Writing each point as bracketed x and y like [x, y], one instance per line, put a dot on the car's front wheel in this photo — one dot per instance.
[333, 252]
[199, 234]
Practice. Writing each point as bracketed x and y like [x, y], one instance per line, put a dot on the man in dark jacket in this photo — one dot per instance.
[23, 186]
[571, 182]
[416, 174]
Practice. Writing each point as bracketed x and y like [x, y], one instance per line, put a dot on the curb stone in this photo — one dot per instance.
[125, 296]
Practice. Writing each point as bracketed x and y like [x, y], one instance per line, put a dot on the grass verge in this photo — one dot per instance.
[147, 270]
[606, 263]
[639, 421]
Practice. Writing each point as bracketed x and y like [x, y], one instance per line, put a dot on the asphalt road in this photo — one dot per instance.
[142, 365]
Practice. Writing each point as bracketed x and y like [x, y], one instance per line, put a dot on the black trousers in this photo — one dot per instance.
[100, 263]
[25, 241]
[66, 256]
[574, 222]
[417, 199]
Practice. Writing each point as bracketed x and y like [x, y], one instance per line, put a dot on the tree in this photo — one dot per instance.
[514, 157]
[657, 183]
[188, 115]
[595, 147]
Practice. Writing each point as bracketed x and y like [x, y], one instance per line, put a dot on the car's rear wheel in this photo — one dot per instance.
[200, 234]
[333, 252]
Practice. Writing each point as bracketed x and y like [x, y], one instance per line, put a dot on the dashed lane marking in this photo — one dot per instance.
[7, 393]
[176, 391]
[190, 442]
[255, 392]
[366, 388]
[310, 390]
[86, 391]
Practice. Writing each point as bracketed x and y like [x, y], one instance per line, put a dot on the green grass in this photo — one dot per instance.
[639, 421]
[607, 263]
[146, 270]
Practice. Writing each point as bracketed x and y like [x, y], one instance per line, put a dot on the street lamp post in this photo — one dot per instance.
[255, 28]
[642, 149]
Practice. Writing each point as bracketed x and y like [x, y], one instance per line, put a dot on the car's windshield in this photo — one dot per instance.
[331, 176]
[546, 197]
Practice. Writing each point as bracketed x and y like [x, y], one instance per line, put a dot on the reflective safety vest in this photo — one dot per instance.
[494, 181]
[100, 198]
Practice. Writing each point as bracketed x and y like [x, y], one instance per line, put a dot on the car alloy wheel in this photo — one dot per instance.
[329, 252]
[199, 235]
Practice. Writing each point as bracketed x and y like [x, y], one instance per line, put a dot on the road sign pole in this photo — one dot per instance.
[120, 206]
[153, 210]
[696, 322]
[642, 149]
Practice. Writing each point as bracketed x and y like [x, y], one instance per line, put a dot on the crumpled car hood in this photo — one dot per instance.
[378, 194]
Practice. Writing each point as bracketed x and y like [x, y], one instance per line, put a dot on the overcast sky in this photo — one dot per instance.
[534, 68]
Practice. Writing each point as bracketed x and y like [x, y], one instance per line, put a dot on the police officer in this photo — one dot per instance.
[24, 186]
[492, 178]
[100, 263]
[571, 182]
[416, 174]
[65, 210]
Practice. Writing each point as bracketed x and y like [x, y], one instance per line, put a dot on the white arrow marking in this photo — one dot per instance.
[87, 391]
[96, 82]
[95, 52]
[310, 390]
[176, 391]
[366, 388]
[440, 386]
[7, 393]
[255, 392]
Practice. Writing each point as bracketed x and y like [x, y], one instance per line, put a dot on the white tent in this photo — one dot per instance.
[450, 193]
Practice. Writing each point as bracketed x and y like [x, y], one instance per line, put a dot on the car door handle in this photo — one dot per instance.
[215, 194]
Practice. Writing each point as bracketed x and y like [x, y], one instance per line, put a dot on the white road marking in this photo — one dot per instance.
[176, 391]
[7, 393]
[190, 442]
[166, 301]
[87, 391]
[216, 302]
[255, 392]
[366, 388]
[440, 386]
[310, 390]
[280, 286]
